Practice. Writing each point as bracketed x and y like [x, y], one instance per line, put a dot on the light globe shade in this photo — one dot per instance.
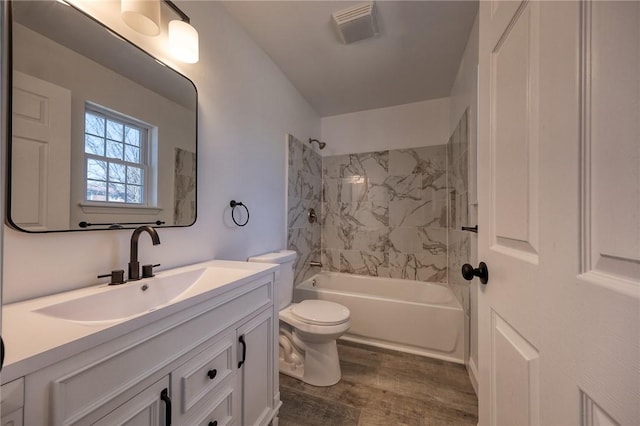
[142, 15]
[183, 42]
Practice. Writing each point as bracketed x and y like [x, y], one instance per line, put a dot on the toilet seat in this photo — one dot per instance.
[320, 312]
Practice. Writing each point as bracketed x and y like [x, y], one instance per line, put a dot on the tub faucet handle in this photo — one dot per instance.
[315, 263]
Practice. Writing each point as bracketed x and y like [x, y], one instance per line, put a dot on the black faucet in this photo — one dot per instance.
[134, 265]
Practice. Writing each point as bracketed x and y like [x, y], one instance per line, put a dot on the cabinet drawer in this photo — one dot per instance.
[221, 412]
[204, 372]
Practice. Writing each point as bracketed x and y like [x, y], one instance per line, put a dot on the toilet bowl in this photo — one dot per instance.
[308, 330]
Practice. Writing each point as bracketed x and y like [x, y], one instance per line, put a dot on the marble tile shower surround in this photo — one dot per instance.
[458, 187]
[184, 208]
[303, 192]
[385, 213]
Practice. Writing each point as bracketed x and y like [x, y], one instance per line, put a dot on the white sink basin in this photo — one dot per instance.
[125, 300]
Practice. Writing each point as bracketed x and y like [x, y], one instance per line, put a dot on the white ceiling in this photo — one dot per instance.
[415, 56]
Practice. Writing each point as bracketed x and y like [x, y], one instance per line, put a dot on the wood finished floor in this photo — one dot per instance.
[382, 387]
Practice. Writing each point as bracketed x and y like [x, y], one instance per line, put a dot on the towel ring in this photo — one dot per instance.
[234, 204]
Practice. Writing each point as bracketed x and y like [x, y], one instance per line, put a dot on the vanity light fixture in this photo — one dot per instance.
[141, 15]
[183, 38]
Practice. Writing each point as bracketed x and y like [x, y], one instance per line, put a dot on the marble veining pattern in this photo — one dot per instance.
[304, 191]
[385, 213]
[184, 207]
[458, 186]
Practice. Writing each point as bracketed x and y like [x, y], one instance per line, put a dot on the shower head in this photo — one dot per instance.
[321, 145]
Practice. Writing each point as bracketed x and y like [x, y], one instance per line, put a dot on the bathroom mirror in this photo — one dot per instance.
[101, 134]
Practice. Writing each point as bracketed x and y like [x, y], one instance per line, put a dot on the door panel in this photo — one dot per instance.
[41, 149]
[256, 376]
[611, 247]
[515, 384]
[144, 409]
[29, 201]
[513, 134]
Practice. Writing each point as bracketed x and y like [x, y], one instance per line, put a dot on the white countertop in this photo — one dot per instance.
[34, 340]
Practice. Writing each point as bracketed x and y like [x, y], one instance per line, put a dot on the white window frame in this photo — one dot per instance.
[146, 142]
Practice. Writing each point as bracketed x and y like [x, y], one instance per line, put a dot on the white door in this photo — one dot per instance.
[40, 154]
[559, 213]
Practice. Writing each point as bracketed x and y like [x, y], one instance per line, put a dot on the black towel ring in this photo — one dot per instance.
[235, 204]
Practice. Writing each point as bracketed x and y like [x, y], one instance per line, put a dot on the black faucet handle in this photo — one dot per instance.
[147, 270]
[117, 277]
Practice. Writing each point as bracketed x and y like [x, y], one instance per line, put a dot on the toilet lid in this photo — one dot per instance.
[320, 312]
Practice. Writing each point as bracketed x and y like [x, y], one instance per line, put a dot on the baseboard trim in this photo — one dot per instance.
[472, 370]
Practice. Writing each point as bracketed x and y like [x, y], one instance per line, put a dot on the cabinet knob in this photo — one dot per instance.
[212, 373]
[213, 423]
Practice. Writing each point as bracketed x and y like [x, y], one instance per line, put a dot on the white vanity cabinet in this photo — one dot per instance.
[214, 363]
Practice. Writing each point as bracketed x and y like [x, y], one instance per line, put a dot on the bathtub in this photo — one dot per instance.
[409, 316]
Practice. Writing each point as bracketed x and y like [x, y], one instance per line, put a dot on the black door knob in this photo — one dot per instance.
[482, 272]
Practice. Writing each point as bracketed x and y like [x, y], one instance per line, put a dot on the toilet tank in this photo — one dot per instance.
[286, 259]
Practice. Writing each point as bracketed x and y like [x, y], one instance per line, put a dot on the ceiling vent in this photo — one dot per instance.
[356, 23]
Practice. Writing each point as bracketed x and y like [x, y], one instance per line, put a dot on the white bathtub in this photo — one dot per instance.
[409, 316]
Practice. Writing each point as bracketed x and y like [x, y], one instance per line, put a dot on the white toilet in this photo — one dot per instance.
[308, 330]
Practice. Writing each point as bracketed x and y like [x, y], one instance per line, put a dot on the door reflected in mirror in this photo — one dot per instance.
[103, 135]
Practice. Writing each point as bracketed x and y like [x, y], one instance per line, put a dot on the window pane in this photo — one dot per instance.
[132, 154]
[134, 175]
[132, 136]
[94, 124]
[96, 191]
[115, 131]
[117, 173]
[93, 145]
[96, 169]
[134, 194]
[114, 149]
[116, 192]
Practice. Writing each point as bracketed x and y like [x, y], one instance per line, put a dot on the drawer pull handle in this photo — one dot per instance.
[164, 395]
[214, 423]
[244, 350]
[212, 373]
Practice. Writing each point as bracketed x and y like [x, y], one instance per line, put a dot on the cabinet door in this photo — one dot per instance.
[146, 408]
[256, 362]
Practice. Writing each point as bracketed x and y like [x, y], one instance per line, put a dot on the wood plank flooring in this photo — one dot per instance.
[382, 387]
